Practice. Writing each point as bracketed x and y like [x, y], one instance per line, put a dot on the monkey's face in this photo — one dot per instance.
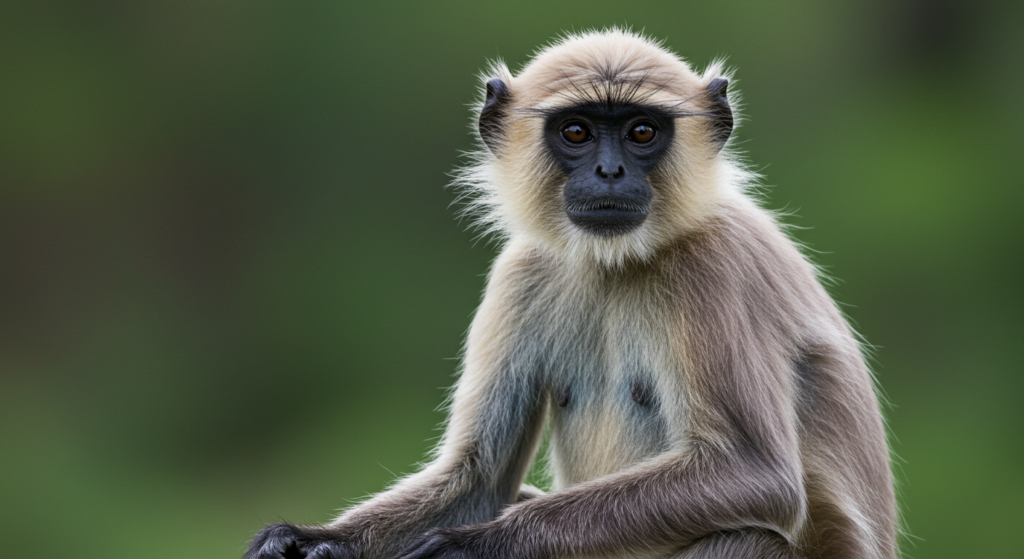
[606, 153]
[603, 147]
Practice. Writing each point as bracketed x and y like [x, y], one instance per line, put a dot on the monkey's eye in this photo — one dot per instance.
[642, 133]
[575, 133]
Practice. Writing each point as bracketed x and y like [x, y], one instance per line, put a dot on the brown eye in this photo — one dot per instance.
[575, 133]
[641, 133]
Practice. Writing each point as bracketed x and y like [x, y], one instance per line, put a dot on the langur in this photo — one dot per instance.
[705, 396]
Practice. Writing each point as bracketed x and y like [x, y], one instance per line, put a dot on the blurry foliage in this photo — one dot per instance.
[232, 288]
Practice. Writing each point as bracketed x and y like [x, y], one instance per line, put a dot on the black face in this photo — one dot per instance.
[607, 153]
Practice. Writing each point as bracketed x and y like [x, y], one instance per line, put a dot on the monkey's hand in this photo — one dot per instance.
[284, 541]
[446, 543]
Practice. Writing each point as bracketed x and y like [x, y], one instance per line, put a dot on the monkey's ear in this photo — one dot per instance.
[492, 116]
[720, 111]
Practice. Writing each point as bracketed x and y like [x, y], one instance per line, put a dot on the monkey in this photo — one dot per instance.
[705, 396]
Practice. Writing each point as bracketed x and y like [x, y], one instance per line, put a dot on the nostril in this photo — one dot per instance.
[619, 172]
[600, 171]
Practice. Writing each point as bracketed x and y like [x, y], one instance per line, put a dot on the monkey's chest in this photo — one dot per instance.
[612, 394]
[603, 425]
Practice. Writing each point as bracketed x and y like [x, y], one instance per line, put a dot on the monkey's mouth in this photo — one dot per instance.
[607, 216]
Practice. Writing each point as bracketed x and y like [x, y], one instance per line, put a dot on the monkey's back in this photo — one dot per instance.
[844, 453]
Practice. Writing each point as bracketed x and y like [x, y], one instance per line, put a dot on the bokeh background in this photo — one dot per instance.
[232, 287]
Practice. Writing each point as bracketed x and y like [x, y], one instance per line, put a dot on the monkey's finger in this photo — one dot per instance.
[330, 550]
[274, 542]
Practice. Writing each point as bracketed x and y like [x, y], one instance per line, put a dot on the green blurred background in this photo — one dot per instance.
[232, 287]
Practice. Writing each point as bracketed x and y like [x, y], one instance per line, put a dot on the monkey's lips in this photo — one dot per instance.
[607, 216]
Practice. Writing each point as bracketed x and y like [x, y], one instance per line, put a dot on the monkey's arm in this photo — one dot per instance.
[477, 473]
[496, 417]
[659, 506]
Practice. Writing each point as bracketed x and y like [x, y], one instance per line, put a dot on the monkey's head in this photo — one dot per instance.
[605, 145]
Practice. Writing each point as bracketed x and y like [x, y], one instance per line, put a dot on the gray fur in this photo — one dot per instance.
[706, 397]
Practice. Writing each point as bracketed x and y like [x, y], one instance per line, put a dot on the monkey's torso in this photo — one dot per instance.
[615, 379]
[607, 366]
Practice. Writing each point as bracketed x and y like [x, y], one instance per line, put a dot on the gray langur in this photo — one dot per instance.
[705, 396]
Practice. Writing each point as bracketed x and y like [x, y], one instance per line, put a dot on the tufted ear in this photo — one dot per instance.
[492, 116]
[720, 111]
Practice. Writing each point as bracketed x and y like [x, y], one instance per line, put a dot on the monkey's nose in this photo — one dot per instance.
[604, 175]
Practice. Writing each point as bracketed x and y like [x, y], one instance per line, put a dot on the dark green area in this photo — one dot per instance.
[232, 288]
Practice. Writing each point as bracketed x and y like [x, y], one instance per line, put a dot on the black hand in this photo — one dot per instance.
[284, 541]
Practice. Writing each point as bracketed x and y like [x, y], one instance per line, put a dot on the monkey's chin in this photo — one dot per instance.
[607, 222]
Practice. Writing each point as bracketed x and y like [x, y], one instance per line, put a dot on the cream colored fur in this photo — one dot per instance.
[705, 396]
